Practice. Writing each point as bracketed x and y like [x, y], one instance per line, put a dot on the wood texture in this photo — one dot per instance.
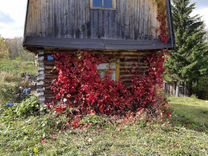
[132, 19]
[93, 44]
[129, 63]
[41, 78]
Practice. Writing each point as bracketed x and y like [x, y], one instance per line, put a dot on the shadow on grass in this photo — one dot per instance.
[191, 117]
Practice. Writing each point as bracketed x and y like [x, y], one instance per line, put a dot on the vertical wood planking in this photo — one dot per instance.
[132, 19]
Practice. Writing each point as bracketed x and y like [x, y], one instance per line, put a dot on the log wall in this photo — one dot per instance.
[127, 63]
[41, 77]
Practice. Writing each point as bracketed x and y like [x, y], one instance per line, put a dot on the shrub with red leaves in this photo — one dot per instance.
[80, 91]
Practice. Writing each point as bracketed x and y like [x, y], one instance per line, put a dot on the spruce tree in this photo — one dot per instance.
[189, 60]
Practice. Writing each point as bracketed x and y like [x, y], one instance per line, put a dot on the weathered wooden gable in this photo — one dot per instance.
[132, 25]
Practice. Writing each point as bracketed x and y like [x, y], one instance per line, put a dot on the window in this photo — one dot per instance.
[105, 67]
[103, 4]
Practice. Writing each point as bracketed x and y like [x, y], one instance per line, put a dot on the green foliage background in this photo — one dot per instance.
[189, 60]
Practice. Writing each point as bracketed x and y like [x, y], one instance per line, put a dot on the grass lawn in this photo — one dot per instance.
[18, 67]
[187, 136]
[190, 113]
[11, 72]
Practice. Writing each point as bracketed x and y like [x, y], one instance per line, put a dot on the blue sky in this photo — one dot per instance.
[202, 10]
[201, 3]
[12, 16]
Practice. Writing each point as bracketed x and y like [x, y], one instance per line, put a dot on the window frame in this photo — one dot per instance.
[115, 66]
[102, 8]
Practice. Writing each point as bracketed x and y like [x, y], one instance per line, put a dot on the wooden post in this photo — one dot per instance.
[118, 70]
[177, 89]
[41, 78]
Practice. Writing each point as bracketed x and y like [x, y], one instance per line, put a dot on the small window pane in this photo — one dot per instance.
[108, 4]
[97, 3]
[105, 67]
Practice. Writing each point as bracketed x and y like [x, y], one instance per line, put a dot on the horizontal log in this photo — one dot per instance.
[40, 94]
[129, 70]
[51, 71]
[40, 78]
[46, 63]
[50, 79]
[51, 74]
[133, 62]
[41, 69]
[127, 53]
[40, 83]
[40, 58]
[50, 67]
[126, 81]
[50, 96]
[42, 89]
[40, 53]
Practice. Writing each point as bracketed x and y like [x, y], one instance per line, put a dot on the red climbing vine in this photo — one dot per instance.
[162, 18]
[80, 91]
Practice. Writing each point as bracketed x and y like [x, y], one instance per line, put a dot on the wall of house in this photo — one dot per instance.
[127, 64]
[132, 19]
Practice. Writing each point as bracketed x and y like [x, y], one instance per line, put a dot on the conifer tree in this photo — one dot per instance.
[189, 60]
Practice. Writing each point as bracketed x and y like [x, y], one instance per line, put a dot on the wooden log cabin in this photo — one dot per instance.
[127, 30]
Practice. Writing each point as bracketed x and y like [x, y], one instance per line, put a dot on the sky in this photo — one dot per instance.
[12, 16]
[202, 10]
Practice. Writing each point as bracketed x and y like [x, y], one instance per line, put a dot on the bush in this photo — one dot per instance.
[9, 93]
[4, 51]
[15, 88]
[30, 106]
[201, 89]
[13, 93]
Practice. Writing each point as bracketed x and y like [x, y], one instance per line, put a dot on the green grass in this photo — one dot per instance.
[131, 140]
[191, 113]
[23, 136]
[10, 76]
[18, 67]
